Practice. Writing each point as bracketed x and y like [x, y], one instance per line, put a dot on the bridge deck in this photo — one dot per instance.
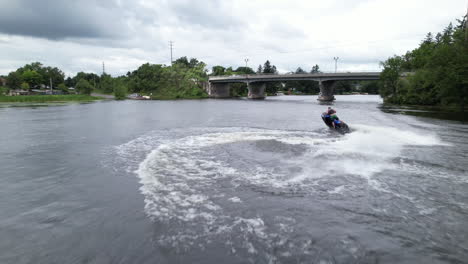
[296, 77]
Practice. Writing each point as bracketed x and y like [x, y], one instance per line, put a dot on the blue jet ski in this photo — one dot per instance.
[339, 126]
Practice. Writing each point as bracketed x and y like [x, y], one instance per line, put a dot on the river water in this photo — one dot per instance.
[231, 181]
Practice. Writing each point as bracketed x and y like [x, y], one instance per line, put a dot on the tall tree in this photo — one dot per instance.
[268, 68]
[315, 69]
[271, 87]
[52, 73]
[14, 80]
[106, 83]
[260, 69]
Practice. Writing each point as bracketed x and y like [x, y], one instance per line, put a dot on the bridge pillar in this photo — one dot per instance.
[326, 90]
[219, 90]
[256, 90]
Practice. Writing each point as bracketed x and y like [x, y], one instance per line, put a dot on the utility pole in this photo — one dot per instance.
[51, 92]
[103, 68]
[466, 25]
[246, 74]
[171, 45]
[336, 62]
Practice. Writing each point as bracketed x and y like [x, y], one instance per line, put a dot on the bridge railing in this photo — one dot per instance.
[291, 74]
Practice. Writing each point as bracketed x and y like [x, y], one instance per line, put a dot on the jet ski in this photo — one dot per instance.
[340, 126]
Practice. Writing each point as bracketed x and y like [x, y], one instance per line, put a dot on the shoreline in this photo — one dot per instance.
[48, 98]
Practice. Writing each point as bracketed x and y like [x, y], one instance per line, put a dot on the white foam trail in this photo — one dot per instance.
[369, 150]
[179, 177]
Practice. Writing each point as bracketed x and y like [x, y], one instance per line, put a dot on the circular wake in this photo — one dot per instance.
[217, 184]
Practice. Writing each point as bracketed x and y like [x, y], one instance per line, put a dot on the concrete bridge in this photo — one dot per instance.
[219, 86]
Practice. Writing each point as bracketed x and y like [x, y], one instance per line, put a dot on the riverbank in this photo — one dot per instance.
[178, 97]
[454, 113]
[48, 98]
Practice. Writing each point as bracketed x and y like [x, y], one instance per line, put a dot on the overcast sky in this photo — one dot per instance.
[80, 35]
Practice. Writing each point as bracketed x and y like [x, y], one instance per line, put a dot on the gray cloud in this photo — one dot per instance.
[56, 19]
[210, 13]
[80, 35]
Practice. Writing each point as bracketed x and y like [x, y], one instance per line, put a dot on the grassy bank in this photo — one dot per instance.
[47, 98]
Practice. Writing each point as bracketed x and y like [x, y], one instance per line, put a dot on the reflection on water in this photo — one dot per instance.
[427, 111]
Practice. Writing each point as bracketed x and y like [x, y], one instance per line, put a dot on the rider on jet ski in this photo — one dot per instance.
[331, 120]
[326, 116]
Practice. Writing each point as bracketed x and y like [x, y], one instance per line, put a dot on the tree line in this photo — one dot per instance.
[436, 71]
[185, 78]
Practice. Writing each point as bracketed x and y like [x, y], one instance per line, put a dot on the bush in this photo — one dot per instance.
[120, 91]
[4, 90]
[84, 87]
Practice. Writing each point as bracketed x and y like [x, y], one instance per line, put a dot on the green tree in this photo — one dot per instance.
[183, 61]
[46, 73]
[306, 87]
[260, 69]
[343, 87]
[181, 80]
[218, 70]
[271, 87]
[390, 76]
[14, 80]
[106, 83]
[92, 78]
[52, 73]
[244, 70]
[268, 68]
[62, 87]
[69, 82]
[120, 91]
[32, 77]
[25, 86]
[84, 87]
[315, 69]
[437, 70]
[370, 87]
